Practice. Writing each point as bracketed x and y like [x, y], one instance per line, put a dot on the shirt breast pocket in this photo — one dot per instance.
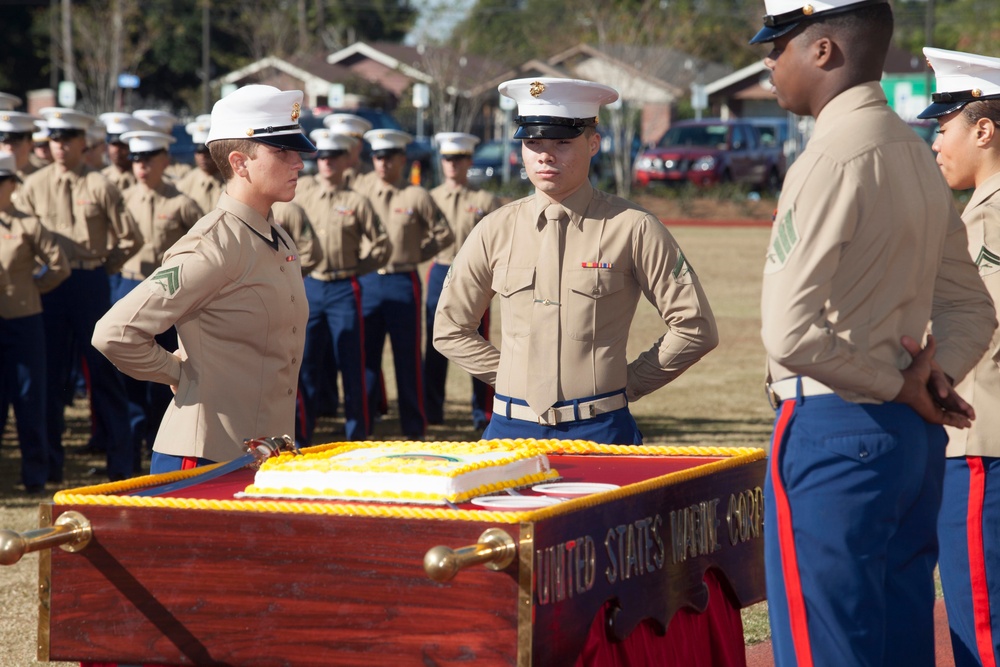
[589, 294]
[515, 287]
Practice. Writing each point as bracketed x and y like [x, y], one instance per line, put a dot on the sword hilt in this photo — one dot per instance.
[264, 448]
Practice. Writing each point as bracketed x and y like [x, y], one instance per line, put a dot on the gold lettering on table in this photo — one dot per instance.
[745, 515]
[694, 530]
[634, 549]
[565, 569]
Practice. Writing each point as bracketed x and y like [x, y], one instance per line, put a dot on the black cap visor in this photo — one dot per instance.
[329, 154]
[386, 153]
[14, 137]
[551, 127]
[145, 155]
[943, 104]
[295, 141]
[4, 174]
[64, 133]
[769, 34]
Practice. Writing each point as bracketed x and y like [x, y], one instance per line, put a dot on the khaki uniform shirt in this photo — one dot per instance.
[101, 231]
[306, 183]
[122, 180]
[614, 251]
[417, 230]
[293, 219]
[981, 387]
[164, 215]
[350, 234]
[175, 171]
[24, 243]
[355, 175]
[202, 187]
[866, 247]
[240, 310]
[463, 208]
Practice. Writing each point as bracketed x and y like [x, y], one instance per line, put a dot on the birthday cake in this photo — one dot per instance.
[404, 472]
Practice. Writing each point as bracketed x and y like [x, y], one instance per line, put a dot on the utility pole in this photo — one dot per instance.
[53, 44]
[69, 71]
[206, 61]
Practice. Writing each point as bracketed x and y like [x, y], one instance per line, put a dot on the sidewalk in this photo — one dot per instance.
[759, 655]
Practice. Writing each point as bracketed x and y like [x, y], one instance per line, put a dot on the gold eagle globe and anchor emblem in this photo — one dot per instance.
[296, 111]
[537, 88]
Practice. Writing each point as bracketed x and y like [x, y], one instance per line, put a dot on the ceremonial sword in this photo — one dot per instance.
[258, 451]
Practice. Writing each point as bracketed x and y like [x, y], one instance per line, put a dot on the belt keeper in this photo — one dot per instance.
[508, 409]
[576, 409]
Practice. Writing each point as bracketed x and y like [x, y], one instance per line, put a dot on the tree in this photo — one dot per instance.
[100, 57]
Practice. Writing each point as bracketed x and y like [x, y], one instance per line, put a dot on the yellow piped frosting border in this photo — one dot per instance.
[105, 494]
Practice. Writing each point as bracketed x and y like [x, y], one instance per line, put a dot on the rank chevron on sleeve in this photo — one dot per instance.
[166, 281]
[987, 261]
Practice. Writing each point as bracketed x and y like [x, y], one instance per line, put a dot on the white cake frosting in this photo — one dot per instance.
[412, 472]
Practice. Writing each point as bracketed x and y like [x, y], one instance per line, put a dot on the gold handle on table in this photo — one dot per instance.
[495, 549]
[71, 531]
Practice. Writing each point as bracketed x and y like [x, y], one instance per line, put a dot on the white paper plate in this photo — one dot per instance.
[572, 489]
[514, 502]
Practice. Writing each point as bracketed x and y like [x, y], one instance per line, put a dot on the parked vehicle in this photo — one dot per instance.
[182, 150]
[774, 135]
[491, 159]
[711, 151]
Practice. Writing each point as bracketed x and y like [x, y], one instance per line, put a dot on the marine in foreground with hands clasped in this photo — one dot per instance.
[569, 263]
[865, 251]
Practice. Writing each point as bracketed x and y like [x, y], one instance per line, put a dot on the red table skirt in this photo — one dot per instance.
[711, 639]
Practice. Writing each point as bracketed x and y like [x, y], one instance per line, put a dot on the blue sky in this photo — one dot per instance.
[437, 19]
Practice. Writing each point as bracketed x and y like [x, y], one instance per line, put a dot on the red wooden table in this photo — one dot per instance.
[653, 572]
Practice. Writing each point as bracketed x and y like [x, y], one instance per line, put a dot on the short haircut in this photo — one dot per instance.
[976, 110]
[864, 34]
[221, 149]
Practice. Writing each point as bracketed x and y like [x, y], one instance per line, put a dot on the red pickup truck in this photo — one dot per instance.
[706, 152]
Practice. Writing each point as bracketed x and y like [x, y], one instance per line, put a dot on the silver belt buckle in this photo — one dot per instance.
[772, 397]
[549, 418]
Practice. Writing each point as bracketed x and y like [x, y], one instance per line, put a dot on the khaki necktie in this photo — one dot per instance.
[64, 201]
[543, 345]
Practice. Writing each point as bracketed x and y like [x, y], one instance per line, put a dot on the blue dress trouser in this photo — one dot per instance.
[70, 312]
[22, 371]
[335, 330]
[436, 364]
[851, 498]
[147, 401]
[391, 306]
[969, 532]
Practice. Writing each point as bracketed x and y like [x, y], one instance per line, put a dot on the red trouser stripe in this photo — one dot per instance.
[356, 286]
[189, 463]
[786, 541]
[418, 362]
[977, 562]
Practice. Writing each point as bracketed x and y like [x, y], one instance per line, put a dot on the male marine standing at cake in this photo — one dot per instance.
[569, 263]
[233, 287]
[866, 250]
